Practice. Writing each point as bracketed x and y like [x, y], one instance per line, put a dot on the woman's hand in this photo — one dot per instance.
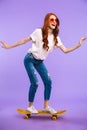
[82, 40]
[4, 45]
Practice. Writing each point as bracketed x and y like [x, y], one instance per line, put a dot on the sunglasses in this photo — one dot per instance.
[53, 20]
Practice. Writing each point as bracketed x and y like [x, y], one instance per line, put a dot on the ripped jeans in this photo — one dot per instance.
[31, 64]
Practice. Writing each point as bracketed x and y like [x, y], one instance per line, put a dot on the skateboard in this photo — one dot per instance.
[28, 114]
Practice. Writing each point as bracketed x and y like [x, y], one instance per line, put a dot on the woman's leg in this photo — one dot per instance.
[29, 65]
[46, 80]
[47, 86]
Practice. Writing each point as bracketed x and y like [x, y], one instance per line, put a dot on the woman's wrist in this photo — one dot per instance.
[79, 44]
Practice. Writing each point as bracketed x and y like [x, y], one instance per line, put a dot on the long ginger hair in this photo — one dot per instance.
[45, 31]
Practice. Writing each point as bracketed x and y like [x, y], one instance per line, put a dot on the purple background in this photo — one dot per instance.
[19, 19]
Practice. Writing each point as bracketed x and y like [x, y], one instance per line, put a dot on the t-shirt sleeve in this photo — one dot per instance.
[34, 35]
[59, 41]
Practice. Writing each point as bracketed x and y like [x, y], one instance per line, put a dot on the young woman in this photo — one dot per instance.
[44, 41]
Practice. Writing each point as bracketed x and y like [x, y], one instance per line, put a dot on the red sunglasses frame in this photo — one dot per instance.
[53, 20]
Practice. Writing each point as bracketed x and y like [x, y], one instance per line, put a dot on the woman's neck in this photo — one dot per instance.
[50, 31]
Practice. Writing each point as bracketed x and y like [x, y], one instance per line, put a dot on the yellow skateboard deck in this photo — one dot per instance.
[28, 114]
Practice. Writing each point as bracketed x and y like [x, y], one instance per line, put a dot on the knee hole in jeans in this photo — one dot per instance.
[48, 81]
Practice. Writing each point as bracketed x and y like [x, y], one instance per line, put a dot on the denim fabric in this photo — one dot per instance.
[31, 64]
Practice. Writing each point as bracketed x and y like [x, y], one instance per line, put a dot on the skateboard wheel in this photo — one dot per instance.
[54, 117]
[27, 116]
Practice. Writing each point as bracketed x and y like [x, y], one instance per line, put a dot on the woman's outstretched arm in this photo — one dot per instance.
[67, 50]
[20, 42]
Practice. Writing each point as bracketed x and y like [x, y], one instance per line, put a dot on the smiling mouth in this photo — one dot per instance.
[53, 25]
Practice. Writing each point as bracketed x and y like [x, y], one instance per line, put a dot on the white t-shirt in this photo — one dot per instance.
[37, 49]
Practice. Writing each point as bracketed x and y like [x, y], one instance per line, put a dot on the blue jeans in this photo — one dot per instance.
[31, 64]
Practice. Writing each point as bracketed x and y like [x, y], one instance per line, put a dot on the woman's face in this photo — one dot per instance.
[52, 22]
